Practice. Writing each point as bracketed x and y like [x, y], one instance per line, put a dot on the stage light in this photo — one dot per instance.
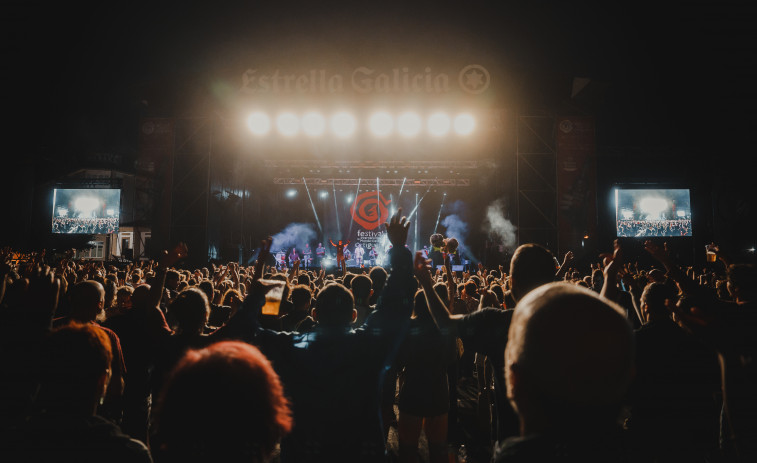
[86, 205]
[381, 124]
[343, 124]
[409, 124]
[349, 198]
[464, 124]
[259, 123]
[653, 206]
[288, 124]
[438, 124]
[110, 212]
[681, 213]
[627, 214]
[313, 124]
[291, 193]
[323, 194]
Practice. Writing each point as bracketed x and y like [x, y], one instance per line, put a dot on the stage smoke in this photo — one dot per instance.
[497, 226]
[294, 234]
[456, 228]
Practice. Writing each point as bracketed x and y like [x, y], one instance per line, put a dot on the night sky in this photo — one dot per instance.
[670, 78]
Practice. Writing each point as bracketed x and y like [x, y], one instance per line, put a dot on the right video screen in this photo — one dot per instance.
[652, 212]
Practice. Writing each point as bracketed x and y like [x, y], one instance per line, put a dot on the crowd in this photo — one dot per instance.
[93, 226]
[651, 228]
[155, 362]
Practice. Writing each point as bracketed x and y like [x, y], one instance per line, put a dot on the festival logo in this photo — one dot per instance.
[370, 210]
[474, 79]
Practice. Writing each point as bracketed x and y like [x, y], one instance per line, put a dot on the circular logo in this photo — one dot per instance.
[369, 210]
[566, 126]
[474, 79]
[148, 128]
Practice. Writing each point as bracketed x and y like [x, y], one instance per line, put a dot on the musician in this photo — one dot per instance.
[436, 256]
[293, 256]
[359, 252]
[281, 259]
[373, 255]
[340, 260]
[307, 256]
[320, 253]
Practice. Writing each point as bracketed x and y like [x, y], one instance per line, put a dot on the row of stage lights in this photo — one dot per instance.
[344, 125]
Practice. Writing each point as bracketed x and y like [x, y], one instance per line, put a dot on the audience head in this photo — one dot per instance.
[75, 369]
[532, 265]
[301, 298]
[378, 278]
[334, 306]
[569, 357]
[742, 282]
[653, 300]
[361, 288]
[222, 403]
[87, 301]
[191, 310]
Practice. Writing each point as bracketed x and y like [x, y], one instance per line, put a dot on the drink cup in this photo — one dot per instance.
[273, 296]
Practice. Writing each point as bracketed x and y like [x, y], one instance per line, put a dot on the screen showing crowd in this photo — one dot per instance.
[649, 213]
[87, 211]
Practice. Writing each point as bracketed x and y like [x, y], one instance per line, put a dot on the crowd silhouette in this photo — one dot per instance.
[153, 361]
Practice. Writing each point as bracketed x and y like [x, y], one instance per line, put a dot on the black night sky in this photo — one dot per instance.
[672, 82]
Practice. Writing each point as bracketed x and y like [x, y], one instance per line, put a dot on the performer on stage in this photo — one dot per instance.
[359, 252]
[373, 255]
[281, 260]
[340, 260]
[320, 253]
[307, 256]
[293, 256]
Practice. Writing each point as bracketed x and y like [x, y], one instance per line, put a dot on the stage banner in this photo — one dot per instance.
[576, 182]
[369, 212]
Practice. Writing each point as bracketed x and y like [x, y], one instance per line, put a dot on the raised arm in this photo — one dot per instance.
[159, 284]
[687, 285]
[444, 320]
[564, 267]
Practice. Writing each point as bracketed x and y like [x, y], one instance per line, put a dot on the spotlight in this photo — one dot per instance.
[288, 124]
[313, 124]
[409, 124]
[464, 124]
[438, 124]
[381, 124]
[291, 193]
[343, 124]
[323, 194]
[259, 123]
[349, 198]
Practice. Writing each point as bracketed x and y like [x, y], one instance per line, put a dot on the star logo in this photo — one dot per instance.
[474, 79]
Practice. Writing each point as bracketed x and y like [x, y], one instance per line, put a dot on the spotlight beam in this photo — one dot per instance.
[352, 217]
[403, 186]
[418, 203]
[312, 205]
[336, 209]
[378, 201]
[440, 212]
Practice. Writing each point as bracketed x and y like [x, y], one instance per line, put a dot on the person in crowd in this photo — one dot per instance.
[568, 365]
[333, 373]
[423, 361]
[224, 403]
[361, 291]
[378, 277]
[299, 319]
[75, 373]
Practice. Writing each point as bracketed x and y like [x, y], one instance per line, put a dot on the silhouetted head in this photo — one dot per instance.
[532, 265]
[87, 300]
[334, 306]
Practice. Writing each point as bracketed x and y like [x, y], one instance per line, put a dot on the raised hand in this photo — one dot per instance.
[422, 269]
[396, 229]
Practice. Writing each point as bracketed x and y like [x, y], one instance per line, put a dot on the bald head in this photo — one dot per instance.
[568, 351]
[87, 299]
[532, 265]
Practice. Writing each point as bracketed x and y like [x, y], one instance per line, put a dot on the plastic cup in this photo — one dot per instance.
[273, 296]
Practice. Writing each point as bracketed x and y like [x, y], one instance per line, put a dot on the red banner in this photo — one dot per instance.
[576, 182]
[370, 210]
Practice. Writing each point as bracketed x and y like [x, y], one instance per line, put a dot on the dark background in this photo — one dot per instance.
[672, 85]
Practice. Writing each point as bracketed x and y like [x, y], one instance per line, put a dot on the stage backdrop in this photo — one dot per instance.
[576, 182]
[368, 213]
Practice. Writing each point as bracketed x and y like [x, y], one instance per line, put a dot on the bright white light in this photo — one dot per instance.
[62, 212]
[464, 124]
[288, 124]
[751, 249]
[291, 193]
[349, 198]
[323, 194]
[313, 124]
[653, 206]
[343, 124]
[627, 214]
[681, 213]
[381, 124]
[409, 124]
[439, 124]
[110, 212]
[86, 204]
[259, 123]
